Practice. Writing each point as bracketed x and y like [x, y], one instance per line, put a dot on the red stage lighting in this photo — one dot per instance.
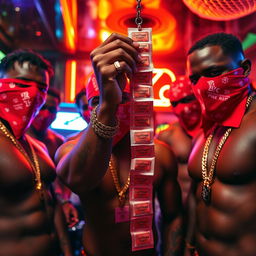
[221, 9]
[160, 20]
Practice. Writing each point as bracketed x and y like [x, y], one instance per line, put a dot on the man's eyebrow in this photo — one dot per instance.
[194, 76]
[213, 67]
[27, 79]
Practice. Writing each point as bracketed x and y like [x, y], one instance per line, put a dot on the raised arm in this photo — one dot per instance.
[169, 196]
[83, 163]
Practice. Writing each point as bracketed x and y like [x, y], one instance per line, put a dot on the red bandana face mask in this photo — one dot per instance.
[92, 89]
[189, 113]
[19, 105]
[86, 115]
[123, 115]
[43, 120]
[223, 98]
[123, 112]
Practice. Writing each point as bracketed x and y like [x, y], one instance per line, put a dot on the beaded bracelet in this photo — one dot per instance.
[101, 129]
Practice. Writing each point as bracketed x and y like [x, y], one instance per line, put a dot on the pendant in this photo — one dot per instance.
[206, 194]
[122, 214]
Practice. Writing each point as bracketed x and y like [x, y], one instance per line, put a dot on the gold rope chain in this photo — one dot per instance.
[208, 177]
[120, 191]
[34, 164]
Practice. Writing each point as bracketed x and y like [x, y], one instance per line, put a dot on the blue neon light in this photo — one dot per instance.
[69, 121]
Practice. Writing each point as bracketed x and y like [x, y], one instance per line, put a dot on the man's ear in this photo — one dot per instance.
[246, 65]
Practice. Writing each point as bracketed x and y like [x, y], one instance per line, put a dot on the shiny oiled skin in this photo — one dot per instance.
[227, 226]
[26, 222]
[102, 236]
[181, 145]
[50, 138]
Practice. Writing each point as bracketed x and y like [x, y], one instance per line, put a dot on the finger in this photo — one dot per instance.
[75, 213]
[123, 69]
[111, 71]
[115, 36]
[122, 46]
[119, 47]
[73, 222]
[66, 214]
[111, 57]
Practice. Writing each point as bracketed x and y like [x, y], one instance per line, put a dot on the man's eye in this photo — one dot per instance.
[188, 99]
[194, 79]
[174, 103]
[85, 107]
[214, 73]
[22, 85]
[42, 90]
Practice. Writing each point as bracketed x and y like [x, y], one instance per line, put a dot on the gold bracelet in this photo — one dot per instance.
[101, 129]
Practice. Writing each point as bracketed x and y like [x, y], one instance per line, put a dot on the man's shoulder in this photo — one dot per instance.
[74, 136]
[64, 149]
[38, 144]
[167, 134]
[165, 156]
[39, 147]
[161, 144]
[51, 134]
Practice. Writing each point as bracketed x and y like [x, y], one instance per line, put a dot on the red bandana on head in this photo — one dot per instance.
[19, 105]
[92, 89]
[223, 98]
[123, 112]
[189, 113]
[86, 114]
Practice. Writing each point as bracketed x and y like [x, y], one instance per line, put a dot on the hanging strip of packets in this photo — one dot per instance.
[142, 145]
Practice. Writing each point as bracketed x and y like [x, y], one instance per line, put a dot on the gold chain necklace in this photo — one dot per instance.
[120, 191]
[34, 164]
[208, 177]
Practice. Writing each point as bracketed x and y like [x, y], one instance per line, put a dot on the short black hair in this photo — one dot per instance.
[23, 55]
[54, 92]
[229, 43]
[79, 95]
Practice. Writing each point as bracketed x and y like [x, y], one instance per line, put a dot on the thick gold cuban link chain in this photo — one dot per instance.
[34, 163]
[120, 191]
[208, 176]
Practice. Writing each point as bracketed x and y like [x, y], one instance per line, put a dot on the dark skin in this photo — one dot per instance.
[227, 225]
[83, 165]
[82, 106]
[181, 144]
[52, 141]
[28, 225]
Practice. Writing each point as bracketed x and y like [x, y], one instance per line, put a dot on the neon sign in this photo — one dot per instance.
[162, 79]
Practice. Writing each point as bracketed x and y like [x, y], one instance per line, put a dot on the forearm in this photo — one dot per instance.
[61, 229]
[173, 237]
[84, 166]
[62, 192]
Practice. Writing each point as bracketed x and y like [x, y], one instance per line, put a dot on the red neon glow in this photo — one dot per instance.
[70, 81]
[38, 33]
[162, 79]
[161, 21]
[69, 13]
